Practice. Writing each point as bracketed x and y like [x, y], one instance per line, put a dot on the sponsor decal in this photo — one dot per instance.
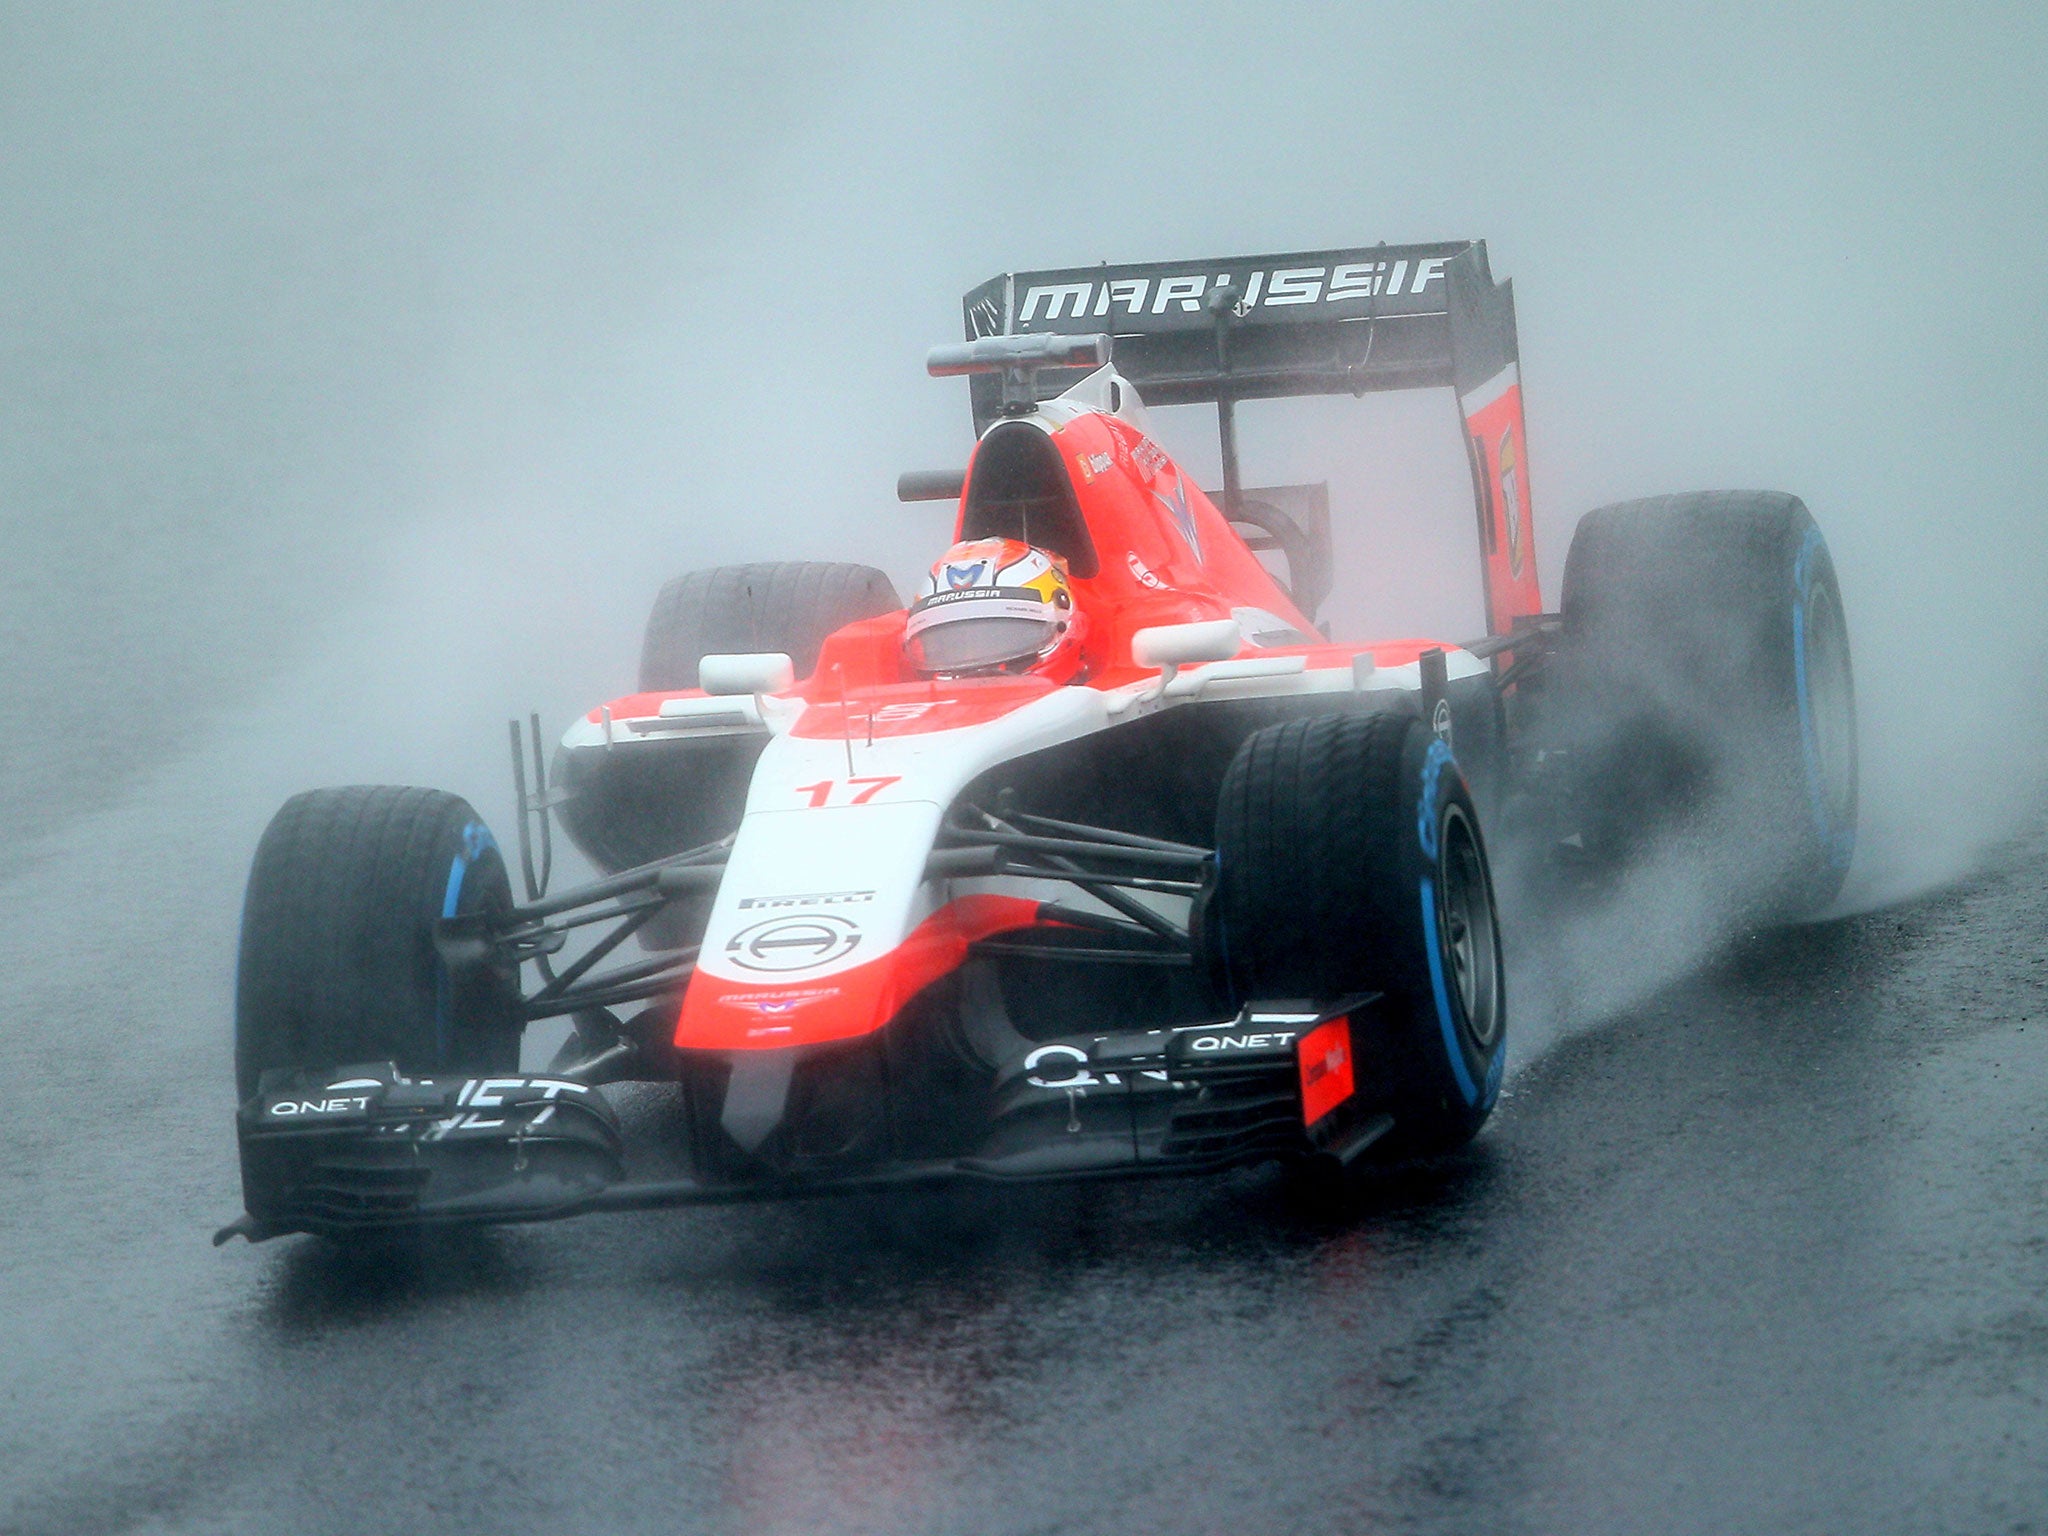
[1187, 293]
[1149, 458]
[289, 1108]
[793, 943]
[1182, 514]
[961, 576]
[1295, 285]
[1511, 500]
[1143, 572]
[1057, 299]
[1225, 1044]
[1369, 279]
[1093, 464]
[779, 1003]
[1440, 721]
[1071, 1060]
[978, 603]
[1326, 1075]
[986, 317]
[1127, 291]
[816, 899]
[493, 1092]
[973, 597]
[502, 1093]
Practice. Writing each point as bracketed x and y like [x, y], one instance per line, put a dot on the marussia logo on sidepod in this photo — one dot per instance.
[793, 943]
[1182, 514]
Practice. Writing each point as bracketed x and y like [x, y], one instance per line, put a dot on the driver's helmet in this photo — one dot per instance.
[995, 605]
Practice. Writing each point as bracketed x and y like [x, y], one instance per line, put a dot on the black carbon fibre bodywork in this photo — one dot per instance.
[366, 1148]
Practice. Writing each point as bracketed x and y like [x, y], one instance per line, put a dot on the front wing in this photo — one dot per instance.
[368, 1148]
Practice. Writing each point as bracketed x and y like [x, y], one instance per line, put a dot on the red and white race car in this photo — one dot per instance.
[1099, 857]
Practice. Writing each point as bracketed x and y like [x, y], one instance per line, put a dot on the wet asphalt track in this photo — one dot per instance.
[1766, 1252]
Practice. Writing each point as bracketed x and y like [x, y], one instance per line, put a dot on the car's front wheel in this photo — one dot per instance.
[1350, 860]
[339, 963]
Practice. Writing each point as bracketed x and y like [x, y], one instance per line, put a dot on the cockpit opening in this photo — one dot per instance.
[1021, 490]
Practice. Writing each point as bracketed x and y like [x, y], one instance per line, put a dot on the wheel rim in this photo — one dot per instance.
[1830, 706]
[1471, 938]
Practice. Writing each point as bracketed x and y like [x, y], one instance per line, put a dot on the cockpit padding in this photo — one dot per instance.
[1020, 489]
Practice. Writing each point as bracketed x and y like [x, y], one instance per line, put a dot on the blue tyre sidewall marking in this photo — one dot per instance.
[1453, 1052]
[476, 840]
[1428, 835]
[1433, 763]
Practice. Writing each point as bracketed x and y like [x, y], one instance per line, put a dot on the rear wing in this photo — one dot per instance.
[1343, 322]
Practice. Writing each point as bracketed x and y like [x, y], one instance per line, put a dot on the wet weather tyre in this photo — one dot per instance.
[1706, 686]
[339, 963]
[1349, 860]
[787, 605]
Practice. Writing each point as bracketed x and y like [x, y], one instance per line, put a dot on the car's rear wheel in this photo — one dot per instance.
[1705, 689]
[338, 957]
[1350, 860]
[786, 605]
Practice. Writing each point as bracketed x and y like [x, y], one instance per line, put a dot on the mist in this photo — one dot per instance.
[365, 370]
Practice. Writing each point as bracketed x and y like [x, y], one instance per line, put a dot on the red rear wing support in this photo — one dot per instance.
[1343, 322]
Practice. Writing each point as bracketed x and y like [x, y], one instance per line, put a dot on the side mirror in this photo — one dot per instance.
[1170, 646]
[749, 672]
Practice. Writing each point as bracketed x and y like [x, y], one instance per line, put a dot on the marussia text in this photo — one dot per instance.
[1262, 290]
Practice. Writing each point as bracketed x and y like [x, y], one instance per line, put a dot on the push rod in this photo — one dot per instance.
[1070, 847]
[694, 870]
[1105, 835]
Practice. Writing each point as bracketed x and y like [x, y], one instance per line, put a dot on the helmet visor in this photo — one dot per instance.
[973, 630]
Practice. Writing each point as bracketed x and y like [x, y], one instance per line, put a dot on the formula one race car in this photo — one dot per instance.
[1100, 858]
